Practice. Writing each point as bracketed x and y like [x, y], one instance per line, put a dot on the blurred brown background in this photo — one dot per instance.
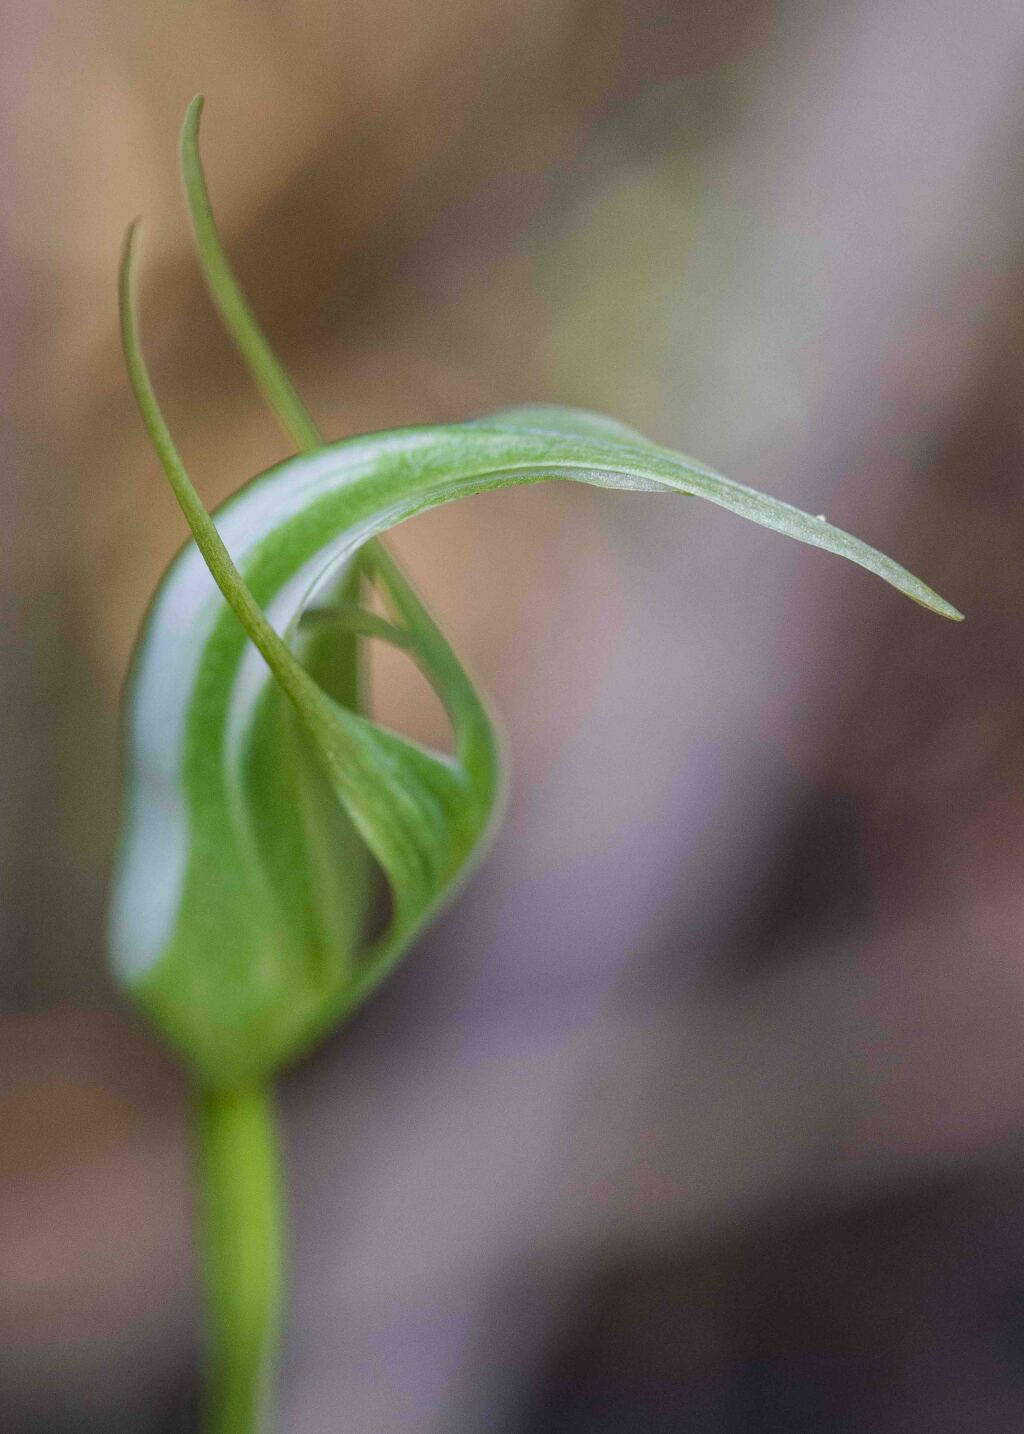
[703, 1109]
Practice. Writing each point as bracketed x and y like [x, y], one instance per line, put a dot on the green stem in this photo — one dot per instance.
[240, 1181]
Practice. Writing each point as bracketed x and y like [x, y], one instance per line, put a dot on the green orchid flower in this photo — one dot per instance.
[264, 805]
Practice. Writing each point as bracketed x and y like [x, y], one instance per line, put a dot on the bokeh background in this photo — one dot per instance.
[703, 1108]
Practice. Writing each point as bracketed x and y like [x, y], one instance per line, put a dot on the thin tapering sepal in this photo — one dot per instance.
[231, 302]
